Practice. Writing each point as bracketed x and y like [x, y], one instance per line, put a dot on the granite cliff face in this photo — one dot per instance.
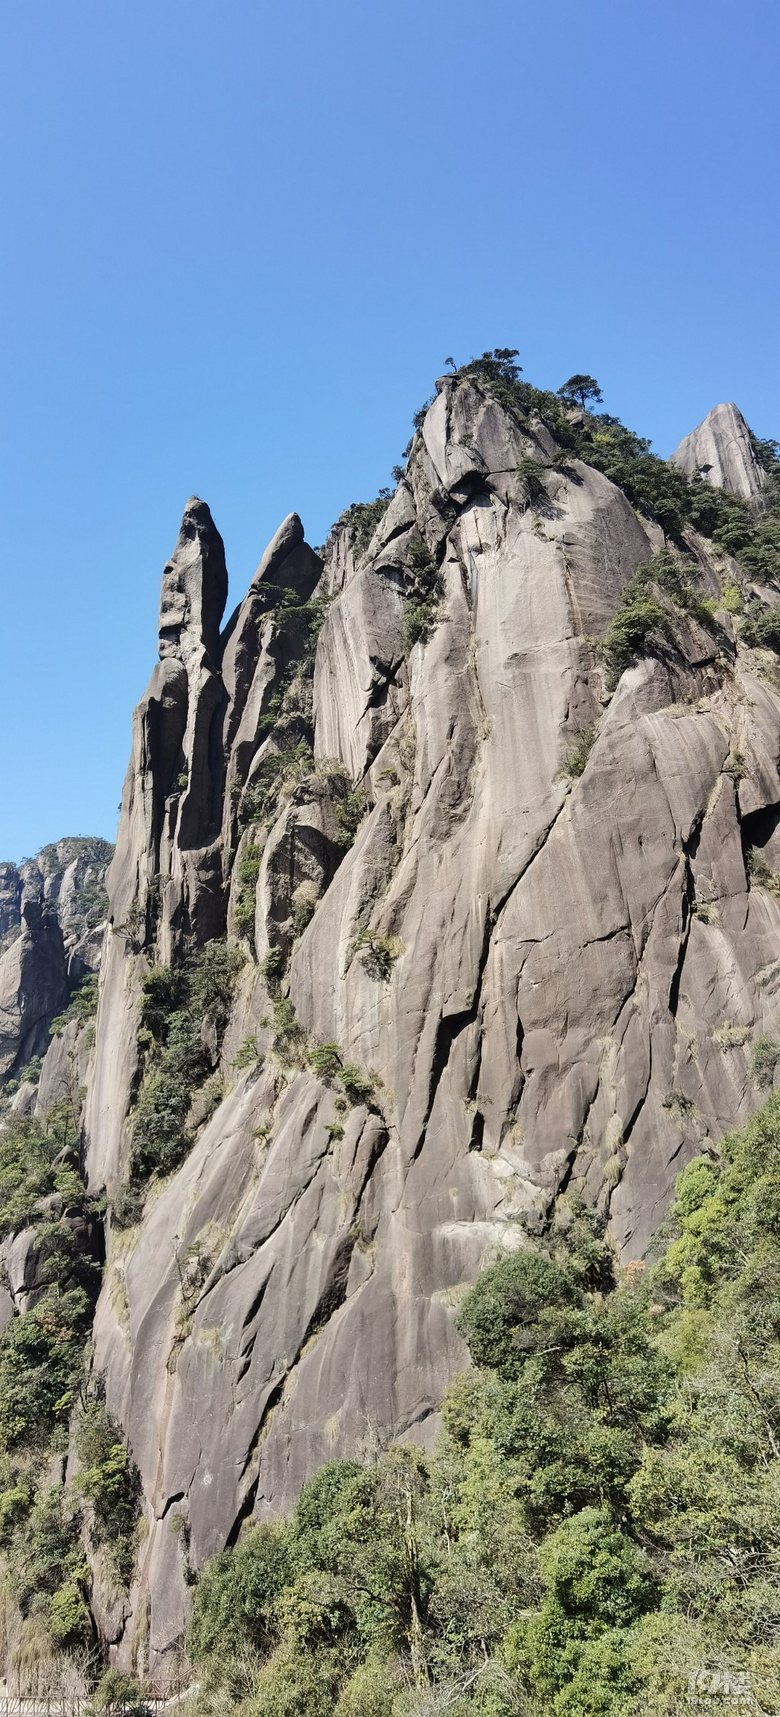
[52, 918]
[508, 929]
[721, 448]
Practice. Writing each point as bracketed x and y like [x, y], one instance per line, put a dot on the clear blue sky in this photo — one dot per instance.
[239, 239]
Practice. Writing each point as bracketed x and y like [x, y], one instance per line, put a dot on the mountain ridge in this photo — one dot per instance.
[500, 921]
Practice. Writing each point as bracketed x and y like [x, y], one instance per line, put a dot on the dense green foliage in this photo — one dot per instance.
[600, 1519]
[761, 626]
[248, 870]
[44, 1559]
[422, 596]
[654, 594]
[177, 1007]
[45, 1396]
[108, 1481]
[41, 1347]
[38, 1158]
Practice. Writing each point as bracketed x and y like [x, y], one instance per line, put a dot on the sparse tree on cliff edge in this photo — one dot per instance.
[581, 390]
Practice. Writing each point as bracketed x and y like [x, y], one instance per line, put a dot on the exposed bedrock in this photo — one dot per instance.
[552, 979]
[722, 451]
[52, 920]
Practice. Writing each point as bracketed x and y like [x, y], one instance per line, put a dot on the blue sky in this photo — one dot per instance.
[240, 239]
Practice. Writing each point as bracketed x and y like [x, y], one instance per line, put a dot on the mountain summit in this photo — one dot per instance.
[446, 889]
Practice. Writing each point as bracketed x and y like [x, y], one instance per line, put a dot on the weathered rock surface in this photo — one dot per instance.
[547, 982]
[33, 987]
[52, 917]
[722, 451]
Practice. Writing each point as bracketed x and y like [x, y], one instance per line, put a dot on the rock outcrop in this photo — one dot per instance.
[721, 449]
[476, 978]
[52, 917]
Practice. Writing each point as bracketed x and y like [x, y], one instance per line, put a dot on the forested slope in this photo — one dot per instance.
[597, 1529]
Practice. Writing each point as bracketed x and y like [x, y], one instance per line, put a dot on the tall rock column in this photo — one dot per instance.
[165, 888]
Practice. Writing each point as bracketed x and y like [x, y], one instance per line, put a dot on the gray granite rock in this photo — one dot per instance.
[549, 981]
[722, 451]
[33, 986]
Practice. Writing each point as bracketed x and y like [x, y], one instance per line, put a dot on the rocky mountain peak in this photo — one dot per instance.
[721, 450]
[194, 588]
[446, 895]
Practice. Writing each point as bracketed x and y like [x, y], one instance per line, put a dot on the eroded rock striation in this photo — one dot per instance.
[507, 929]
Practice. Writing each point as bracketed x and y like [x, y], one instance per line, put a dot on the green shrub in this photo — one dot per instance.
[246, 1055]
[108, 1480]
[530, 473]
[577, 754]
[325, 1059]
[595, 1573]
[635, 628]
[378, 953]
[763, 1060]
[289, 1036]
[160, 1136]
[358, 1087]
[499, 1316]
[276, 775]
[175, 1005]
[640, 621]
[761, 626]
[68, 1617]
[163, 990]
[362, 518]
[248, 873]
[423, 595]
[38, 1158]
[732, 597]
[82, 1005]
[271, 967]
[296, 1683]
[40, 1364]
[211, 975]
[349, 812]
[116, 1690]
[371, 1691]
[236, 1598]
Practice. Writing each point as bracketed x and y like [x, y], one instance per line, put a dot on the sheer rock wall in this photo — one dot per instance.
[553, 980]
[51, 936]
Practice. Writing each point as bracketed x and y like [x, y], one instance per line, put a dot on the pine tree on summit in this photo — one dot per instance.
[580, 390]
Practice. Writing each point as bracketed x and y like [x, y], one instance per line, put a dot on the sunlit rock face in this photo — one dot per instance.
[547, 980]
[721, 449]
